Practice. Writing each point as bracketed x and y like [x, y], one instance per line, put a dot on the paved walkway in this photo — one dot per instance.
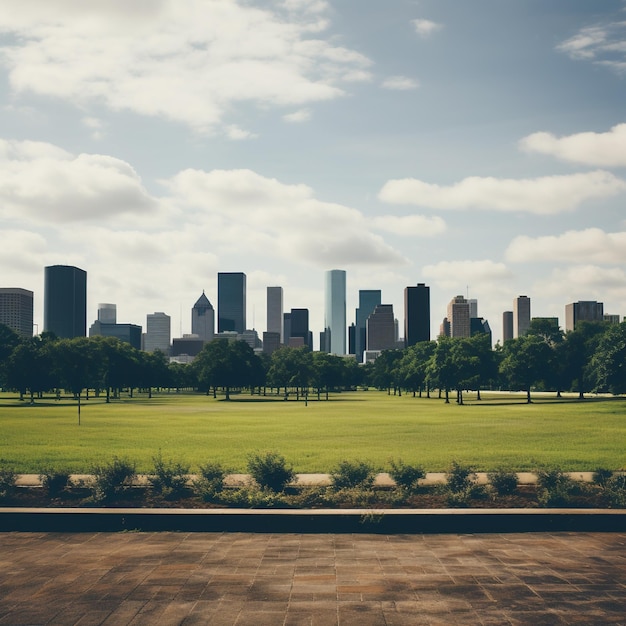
[279, 579]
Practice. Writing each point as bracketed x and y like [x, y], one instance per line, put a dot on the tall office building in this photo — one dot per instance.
[275, 320]
[583, 311]
[107, 313]
[300, 333]
[459, 317]
[129, 333]
[416, 314]
[335, 325]
[231, 302]
[203, 319]
[381, 329]
[369, 299]
[16, 310]
[521, 316]
[158, 333]
[65, 301]
[507, 326]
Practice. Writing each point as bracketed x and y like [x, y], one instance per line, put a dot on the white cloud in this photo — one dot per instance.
[284, 221]
[21, 252]
[458, 274]
[597, 149]
[584, 282]
[410, 225]
[190, 61]
[602, 44]
[400, 83]
[425, 28]
[297, 117]
[41, 181]
[544, 196]
[592, 245]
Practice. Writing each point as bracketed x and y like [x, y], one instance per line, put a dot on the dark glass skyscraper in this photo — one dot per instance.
[231, 302]
[65, 301]
[369, 299]
[416, 314]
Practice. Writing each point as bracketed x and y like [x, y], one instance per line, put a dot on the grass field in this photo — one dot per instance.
[499, 431]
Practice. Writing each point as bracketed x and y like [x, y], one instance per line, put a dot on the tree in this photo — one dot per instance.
[607, 367]
[525, 361]
[327, 371]
[413, 366]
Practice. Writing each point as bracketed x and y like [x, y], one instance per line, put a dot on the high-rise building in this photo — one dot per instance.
[521, 316]
[158, 333]
[231, 302]
[381, 329]
[416, 314]
[271, 342]
[583, 311]
[203, 318]
[473, 307]
[107, 313]
[369, 299]
[16, 310]
[275, 320]
[480, 326]
[65, 301]
[611, 318]
[507, 326]
[459, 317]
[335, 325]
[299, 322]
[128, 333]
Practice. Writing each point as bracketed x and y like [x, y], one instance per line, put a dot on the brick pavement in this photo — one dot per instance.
[247, 578]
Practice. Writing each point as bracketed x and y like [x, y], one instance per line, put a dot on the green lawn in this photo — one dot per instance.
[499, 431]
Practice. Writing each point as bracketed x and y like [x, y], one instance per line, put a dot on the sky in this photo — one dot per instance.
[478, 147]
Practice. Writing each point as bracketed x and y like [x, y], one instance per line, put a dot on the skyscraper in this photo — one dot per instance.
[521, 316]
[16, 310]
[107, 313]
[507, 326]
[231, 302]
[335, 326]
[65, 301]
[203, 318]
[300, 327]
[459, 317]
[416, 314]
[369, 299]
[275, 320]
[583, 311]
[158, 333]
[381, 328]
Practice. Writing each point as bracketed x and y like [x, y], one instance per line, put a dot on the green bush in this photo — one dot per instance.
[503, 481]
[112, 479]
[210, 481]
[460, 478]
[168, 479]
[615, 489]
[270, 471]
[353, 474]
[601, 476]
[55, 481]
[255, 497]
[555, 487]
[407, 477]
[8, 479]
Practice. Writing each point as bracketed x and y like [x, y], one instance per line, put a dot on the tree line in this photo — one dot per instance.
[591, 358]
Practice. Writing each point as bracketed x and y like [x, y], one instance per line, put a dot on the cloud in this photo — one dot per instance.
[400, 83]
[282, 220]
[592, 245]
[410, 225]
[457, 274]
[543, 196]
[192, 62]
[597, 149]
[44, 182]
[602, 44]
[584, 282]
[425, 28]
[21, 252]
[297, 117]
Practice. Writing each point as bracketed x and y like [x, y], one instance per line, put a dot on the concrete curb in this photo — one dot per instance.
[385, 521]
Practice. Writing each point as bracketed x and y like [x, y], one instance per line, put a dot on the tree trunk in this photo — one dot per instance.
[528, 400]
[447, 396]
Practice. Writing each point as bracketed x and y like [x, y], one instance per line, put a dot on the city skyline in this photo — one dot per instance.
[476, 148]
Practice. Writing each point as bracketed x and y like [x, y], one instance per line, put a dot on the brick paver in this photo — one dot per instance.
[248, 578]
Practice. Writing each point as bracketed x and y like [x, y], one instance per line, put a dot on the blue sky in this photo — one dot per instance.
[478, 147]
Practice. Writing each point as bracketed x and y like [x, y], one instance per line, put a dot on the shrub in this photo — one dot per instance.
[460, 478]
[255, 497]
[7, 482]
[168, 479]
[353, 474]
[406, 476]
[615, 489]
[270, 471]
[210, 482]
[555, 487]
[601, 476]
[503, 482]
[112, 479]
[55, 481]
